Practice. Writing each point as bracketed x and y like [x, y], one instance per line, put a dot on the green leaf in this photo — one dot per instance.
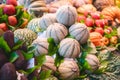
[1, 11]
[45, 74]
[58, 59]
[40, 60]
[4, 45]
[4, 18]
[18, 44]
[52, 49]
[34, 78]
[13, 56]
[12, 28]
[27, 56]
[30, 70]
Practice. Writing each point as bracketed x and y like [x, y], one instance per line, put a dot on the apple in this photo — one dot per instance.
[81, 18]
[89, 22]
[95, 15]
[99, 30]
[9, 10]
[12, 20]
[3, 26]
[86, 13]
[11, 2]
[100, 23]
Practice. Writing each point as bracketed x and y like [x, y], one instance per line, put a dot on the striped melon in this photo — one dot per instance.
[57, 31]
[80, 32]
[37, 8]
[93, 61]
[49, 64]
[69, 48]
[66, 15]
[47, 20]
[26, 35]
[34, 25]
[68, 70]
[41, 45]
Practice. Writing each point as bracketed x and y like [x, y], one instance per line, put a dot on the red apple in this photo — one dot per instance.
[95, 15]
[81, 18]
[3, 26]
[9, 10]
[12, 20]
[100, 23]
[86, 13]
[89, 22]
[99, 30]
[11, 2]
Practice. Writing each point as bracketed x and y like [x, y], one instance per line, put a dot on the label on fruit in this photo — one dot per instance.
[31, 63]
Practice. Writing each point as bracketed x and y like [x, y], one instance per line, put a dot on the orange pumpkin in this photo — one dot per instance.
[112, 14]
[96, 38]
[86, 7]
[101, 4]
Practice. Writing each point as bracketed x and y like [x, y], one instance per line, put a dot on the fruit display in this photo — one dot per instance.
[59, 40]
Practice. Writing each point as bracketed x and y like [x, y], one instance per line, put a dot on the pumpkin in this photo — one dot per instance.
[56, 31]
[80, 32]
[87, 7]
[68, 70]
[66, 15]
[37, 8]
[69, 48]
[111, 13]
[41, 45]
[26, 35]
[34, 25]
[95, 38]
[47, 20]
[49, 64]
[101, 4]
[78, 3]
[93, 61]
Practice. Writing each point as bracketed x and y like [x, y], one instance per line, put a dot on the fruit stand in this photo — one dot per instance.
[60, 40]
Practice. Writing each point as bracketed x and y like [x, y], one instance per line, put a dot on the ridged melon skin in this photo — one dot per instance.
[49, 64]
[93, 61]
[26, 35]
[41, 45]
[68, 70]
[34, 25]
[66, 15]
[69, 48]
[47, 20]
[56, 31]
[80, 32]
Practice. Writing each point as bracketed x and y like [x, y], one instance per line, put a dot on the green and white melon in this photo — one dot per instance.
[26, 35]
[49, 64]
[66, 15]
[56, 31]
[69, 69]
[41, 45]
[69, 48]
[34, 25]
[93, 61]
[80, 32]
[47, 20]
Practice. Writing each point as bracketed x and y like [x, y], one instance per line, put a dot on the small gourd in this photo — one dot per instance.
[69, 48]
[56, 31]
[66, 15]
[80, 32]
[69, 69]
[41, 45]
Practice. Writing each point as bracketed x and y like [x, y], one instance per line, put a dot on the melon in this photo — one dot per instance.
[69, 48]
[93, 61]
[41, 45]
[80, 32]
[49, 64]
[56, 31]
[68, 70]
[47, 20]
[66, 15]
[34, 25]
[26, 35]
